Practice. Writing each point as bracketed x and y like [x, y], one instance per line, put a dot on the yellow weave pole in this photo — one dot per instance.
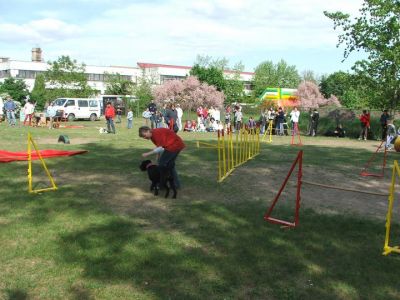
[231, 146]
[237, 149]
[30, 173]
[219, 156]
[386, 248]
[223, 151]
[228, 150]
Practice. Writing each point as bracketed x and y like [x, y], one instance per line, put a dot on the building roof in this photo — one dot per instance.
[143, 65]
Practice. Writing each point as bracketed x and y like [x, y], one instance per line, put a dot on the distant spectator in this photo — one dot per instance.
[179, 113]
[384, 122]
[51, 114]
[28, 112]
[129, 118]
[280, 119]
[251, 124]
[188, 126]
[153, 110]
[365, 124]
[294, 117]
[1, 109]
[10, 107]
[391, 134]
[314, 122]
[119, 114]
[110, 115]
[146, 116]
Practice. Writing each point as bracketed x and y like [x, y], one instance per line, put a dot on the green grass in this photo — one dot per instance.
[102, 235]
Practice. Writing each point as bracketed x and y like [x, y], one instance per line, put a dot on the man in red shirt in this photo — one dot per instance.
[169, 144]
[110, 114]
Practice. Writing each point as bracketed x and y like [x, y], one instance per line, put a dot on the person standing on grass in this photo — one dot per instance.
[153, 110]
[365, 121]
[110, 115]
[294, 117]
[51, 114]
[179, 113]
[129, 118]
[1, 109]
[280, 119]
[384, 122]
[168, 146]
[314, 122]
[119, 114]
[28, 111]
[10, 107]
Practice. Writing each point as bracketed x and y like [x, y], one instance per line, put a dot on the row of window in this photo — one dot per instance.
[29, 74]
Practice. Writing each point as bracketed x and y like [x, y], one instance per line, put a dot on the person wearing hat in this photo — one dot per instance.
[9, 107]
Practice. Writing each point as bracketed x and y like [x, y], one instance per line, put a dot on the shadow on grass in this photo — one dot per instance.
[16, 294]
[200, 247]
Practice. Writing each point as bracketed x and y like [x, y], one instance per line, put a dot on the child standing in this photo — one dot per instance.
[129, 118]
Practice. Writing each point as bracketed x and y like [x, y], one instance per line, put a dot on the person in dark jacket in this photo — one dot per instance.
[171, 117]
[314, 122]
[384, 122]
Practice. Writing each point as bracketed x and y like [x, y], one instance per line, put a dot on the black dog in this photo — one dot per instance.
[153, 171]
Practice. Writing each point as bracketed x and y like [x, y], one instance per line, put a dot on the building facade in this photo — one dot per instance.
[156, 73]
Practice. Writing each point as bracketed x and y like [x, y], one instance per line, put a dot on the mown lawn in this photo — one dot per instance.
[103, 235]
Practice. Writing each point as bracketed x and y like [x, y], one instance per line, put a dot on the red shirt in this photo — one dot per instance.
[365, 119]
[110, 112]
[166, 138]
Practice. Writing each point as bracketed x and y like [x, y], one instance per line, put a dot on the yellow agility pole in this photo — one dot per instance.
[30, 173]
[231, 146]
[232, 154]
[386, 248]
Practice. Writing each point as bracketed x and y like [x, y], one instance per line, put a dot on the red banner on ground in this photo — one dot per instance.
[7, 156]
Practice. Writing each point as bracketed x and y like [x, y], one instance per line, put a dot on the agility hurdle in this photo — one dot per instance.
[364, 171]
[30, 188]
[234, 151]
[268, 132]
[299, 161]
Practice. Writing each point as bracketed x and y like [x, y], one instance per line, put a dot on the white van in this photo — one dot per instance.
[79, 108]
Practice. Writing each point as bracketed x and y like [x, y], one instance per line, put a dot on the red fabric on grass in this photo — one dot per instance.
[7, 156]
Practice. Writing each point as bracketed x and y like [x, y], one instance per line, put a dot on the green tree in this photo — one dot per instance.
[268, 74]
[117, 84]
[210, 75]
[16, 88]
[376, 33]
[143, 95]
[67, 78]
[38, 93]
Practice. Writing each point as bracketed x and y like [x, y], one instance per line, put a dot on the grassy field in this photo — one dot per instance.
[103, 235]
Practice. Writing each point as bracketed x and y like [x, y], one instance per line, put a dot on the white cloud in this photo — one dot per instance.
[37, 31]
[174, 31]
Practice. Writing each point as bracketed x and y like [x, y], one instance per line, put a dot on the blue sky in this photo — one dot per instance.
[104, 32]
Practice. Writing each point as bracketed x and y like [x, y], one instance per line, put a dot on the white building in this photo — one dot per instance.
[158, 73]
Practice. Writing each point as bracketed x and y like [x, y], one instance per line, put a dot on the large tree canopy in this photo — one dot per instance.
[376, 32]
[16, 88]
[268, 74]
[67, 78]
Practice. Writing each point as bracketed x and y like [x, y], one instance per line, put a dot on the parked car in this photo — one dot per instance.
[79, 108]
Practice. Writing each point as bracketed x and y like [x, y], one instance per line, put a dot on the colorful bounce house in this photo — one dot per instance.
[283, 97]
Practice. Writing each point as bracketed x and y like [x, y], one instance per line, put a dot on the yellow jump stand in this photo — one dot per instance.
[53, 187]
[268, 133]
[386, 248]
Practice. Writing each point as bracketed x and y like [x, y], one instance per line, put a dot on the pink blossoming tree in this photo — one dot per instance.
[188, 93]
[309, 96]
